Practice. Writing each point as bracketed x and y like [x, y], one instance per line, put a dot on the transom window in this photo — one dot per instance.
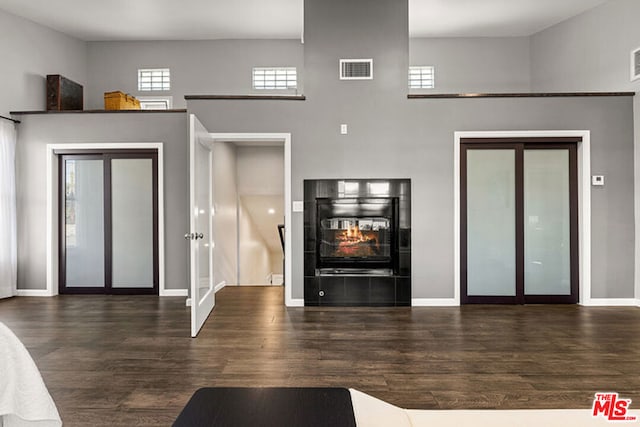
[422, 77]
[275, 78]
[154, 79]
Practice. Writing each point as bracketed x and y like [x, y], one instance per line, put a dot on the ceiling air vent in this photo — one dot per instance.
[356, 69]
[635, 64]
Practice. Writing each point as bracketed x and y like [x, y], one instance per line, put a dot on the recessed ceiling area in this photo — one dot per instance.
[280, 19]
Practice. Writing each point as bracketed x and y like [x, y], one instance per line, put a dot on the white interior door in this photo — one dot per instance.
[201, 225]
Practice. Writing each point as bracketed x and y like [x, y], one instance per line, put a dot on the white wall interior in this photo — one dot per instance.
[254, 257]
[260, 178]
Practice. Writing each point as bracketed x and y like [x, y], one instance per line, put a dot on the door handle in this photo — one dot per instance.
[194, 236]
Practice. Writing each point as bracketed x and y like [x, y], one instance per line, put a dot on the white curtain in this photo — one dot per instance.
[8, 230]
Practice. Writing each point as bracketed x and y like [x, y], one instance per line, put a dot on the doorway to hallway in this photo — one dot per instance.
[519, 220]
[226, 243]
[260, 209]
[248, 181]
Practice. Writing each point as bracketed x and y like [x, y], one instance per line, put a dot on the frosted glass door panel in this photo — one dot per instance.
[547, 256]
[84, 223]
[132, 223]
[491, 247]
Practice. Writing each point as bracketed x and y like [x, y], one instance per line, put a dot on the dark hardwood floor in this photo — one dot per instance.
[128, 360]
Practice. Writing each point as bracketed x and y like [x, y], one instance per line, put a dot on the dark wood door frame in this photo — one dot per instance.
[106, 156]
[519, 145]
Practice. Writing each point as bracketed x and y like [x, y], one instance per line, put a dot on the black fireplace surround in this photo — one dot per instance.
[357, 242]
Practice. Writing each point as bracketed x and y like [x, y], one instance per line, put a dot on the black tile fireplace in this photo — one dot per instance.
[357, 242]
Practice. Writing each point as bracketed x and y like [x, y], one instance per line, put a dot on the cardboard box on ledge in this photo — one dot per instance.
[120, 101]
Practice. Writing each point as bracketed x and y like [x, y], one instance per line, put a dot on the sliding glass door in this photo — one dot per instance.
[108, 223]
[491, 218]
[519, 222]
[83, 228]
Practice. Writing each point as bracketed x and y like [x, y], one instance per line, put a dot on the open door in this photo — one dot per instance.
[201, 224]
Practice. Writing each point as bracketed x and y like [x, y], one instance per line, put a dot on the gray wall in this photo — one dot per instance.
[592, 52]
[418, 144]
[393, 137]
[588, 52]
[224, 66]
[197, 67]
[225, 196]
[477, 65]
[389, 135]
[36, 131]
[30, 52]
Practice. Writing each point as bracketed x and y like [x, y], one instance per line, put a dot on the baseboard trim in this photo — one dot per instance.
[33, 293]
[295, 302]
[434, 302]
[173, 293]
[612, 302]
[255, 284]
[219, 286]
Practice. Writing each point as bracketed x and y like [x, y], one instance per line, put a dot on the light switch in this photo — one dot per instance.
[597, 180]
[343, 129]
[298, 206]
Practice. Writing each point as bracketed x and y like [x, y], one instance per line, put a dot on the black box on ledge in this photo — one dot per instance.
[63, 94]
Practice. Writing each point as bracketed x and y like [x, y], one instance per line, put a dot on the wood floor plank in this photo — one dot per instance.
[129, 360]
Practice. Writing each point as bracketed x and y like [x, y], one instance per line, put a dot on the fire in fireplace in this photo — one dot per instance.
[356, 234]
[355, 237]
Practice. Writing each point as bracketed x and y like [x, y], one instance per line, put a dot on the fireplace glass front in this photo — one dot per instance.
[356, 235]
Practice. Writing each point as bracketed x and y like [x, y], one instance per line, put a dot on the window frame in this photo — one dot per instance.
[266, 84]
[151, 85]
[422, 79]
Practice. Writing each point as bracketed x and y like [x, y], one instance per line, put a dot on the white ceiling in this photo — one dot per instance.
[220, 19]
[490, 18]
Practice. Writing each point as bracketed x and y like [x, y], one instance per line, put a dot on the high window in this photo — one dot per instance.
[422, 77]
[152, 79]
[275, 78]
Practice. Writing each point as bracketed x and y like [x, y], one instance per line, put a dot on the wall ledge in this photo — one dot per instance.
[17, 113]
[514, 95]
[247, 97]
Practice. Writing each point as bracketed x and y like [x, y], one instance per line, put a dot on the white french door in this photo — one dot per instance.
[201, 224]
